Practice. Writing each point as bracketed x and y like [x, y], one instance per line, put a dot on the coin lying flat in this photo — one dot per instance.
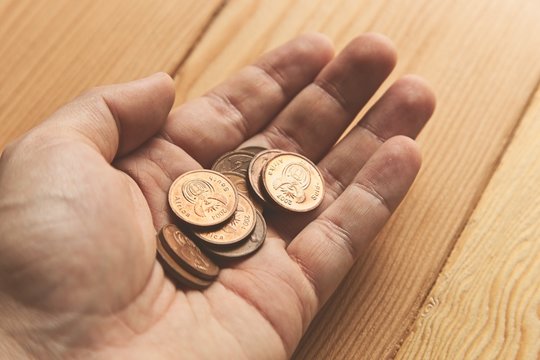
[221, 210]
[176, 271]
[253, 149]
[293, 182]
[186, 253]
[234, 161]
[247, 247]
[203, 198]
[240, 183]
[236, 229]
[255, 170]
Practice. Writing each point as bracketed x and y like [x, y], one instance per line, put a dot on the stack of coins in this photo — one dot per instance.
[220, 211]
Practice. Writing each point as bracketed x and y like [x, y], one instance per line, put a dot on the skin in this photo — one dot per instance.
[82, 194]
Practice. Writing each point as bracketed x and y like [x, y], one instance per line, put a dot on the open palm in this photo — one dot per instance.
[77, 247]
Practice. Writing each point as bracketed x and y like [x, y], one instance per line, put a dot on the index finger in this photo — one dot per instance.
[232, 112]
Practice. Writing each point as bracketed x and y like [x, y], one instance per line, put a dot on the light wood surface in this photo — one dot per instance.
[50, 51]
[480, 66]
[486, 302]
[482, 58]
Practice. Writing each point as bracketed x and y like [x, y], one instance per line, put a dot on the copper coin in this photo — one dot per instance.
[234, 161]
[236, 229]
[186, 253]
[252, 244]
[293, 182]
[176, 271]
[240, 182]
[255, 170]
[203, 198]
[253, 149]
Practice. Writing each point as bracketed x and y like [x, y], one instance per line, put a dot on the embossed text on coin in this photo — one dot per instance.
[234, 161]
[203, 198]
[235, 229]
[293, 182]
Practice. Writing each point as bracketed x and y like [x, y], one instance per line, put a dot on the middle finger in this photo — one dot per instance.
[316, 117]
[402, 110]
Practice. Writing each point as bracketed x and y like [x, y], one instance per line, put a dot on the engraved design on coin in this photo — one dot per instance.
[238, 218]
[191, 251]
[237, 164]
[236, 229]
[240, 182]
[234, 161]
[294, 181]
[254, 242]
[201, 193]
[203, 198]
[240, 185]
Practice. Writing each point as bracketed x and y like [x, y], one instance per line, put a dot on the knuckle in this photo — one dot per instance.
[334, 186]
[338, 236]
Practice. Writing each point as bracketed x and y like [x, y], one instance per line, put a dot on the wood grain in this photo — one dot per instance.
[483, 67]
[52, 50]
[486, 302]
[482, 59]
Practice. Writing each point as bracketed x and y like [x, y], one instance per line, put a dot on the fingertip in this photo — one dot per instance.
[319, 42]
[160, 89]
[373, 48]
[310, 51]
[392, 169]
[167, 87]
[416, 94]
[404, 109]
[402, 159]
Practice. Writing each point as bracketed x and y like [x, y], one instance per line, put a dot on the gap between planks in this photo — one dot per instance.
[200, 36]
[481, 190]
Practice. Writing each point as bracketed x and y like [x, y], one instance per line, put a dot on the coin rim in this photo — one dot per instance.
[176, 271]
[254, 153]
[257, 191]
[197, 232]
[220, 251]
[221, 221]
[228, 154]
[183, 262]
[254, 200]
[281, 205]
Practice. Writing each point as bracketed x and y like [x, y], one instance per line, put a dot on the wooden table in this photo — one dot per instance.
[456, 272]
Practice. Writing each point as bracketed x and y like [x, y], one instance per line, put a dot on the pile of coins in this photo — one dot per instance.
[220, 211]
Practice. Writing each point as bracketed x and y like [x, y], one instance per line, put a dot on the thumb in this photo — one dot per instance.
[114, 119]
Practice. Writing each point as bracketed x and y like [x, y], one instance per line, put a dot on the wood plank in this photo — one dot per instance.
[51, 50]
[482, 60]
[486, 302]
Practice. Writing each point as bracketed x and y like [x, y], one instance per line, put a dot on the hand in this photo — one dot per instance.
[77, 247]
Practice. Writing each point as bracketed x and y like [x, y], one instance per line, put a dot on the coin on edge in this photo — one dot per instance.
[253, 149]
[186, 253]
[236, 229]
[176, 271]
[234, 161]
[293, 182]
[255, 170]
[240, 182]
[203, 198]
[252, 244]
